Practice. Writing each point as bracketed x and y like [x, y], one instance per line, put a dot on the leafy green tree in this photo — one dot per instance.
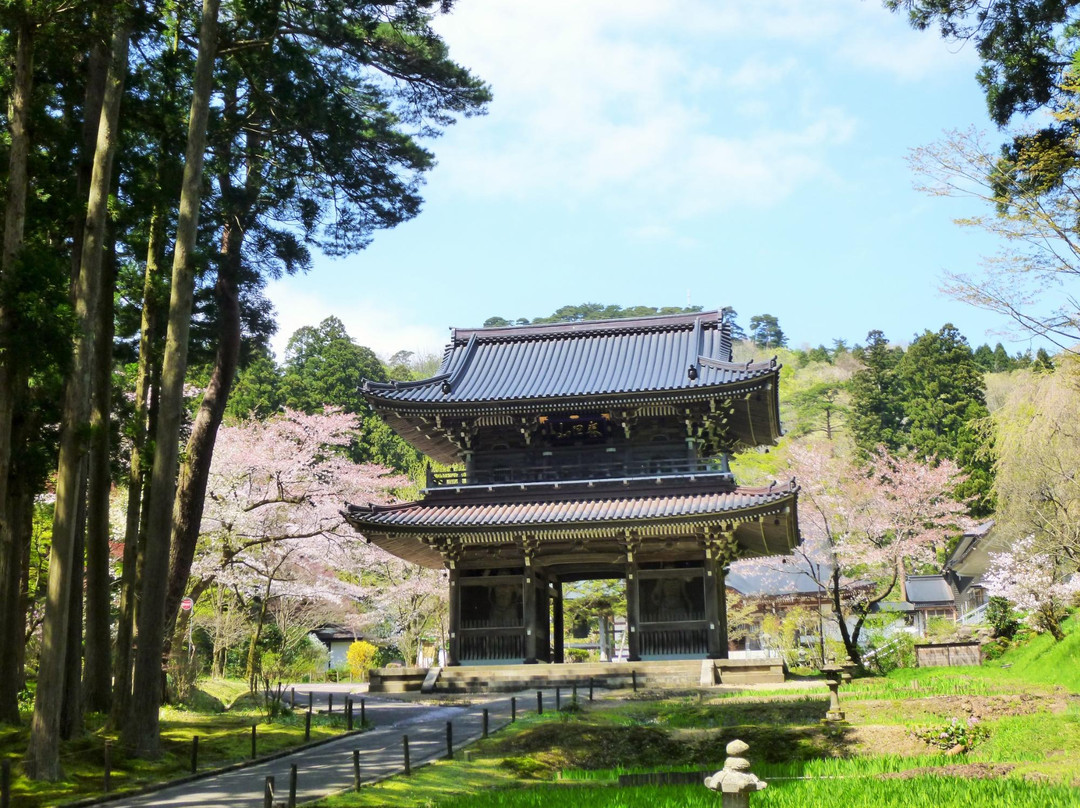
[592, 311]
[944, 401]
[876, 397]
[821, 408]
[325, 367]
[257, 392]
[731, 318]
[765, 331]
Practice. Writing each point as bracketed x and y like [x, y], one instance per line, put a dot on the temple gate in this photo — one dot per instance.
[585, 450]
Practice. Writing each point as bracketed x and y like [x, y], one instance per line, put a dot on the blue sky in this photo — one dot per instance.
[748, 153]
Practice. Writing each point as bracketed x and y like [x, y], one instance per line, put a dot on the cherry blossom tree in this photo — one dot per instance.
[864, 526]
[272, 528]
[1036, 581]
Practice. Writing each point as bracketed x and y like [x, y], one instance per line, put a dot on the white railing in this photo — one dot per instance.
[880, 650]
[975, 616]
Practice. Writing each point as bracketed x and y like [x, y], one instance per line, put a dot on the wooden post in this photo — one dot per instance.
[513, 709]
[633, 680]
[590, 688]
[108, 765]
[292, 699]
[363, 713]
[484, 725]
[633, 616]
[330, 702]
[449, 740]
[573, 692]
[405, 749]
[453, 650]
[558, 698]
[348, 714]
[539, 702]
[307, 727]
[292, 786]
[356, 769]
[268, 792]
[528, 606]
[253, 755]
[310, 700]
[712, 605]
[558, 626]
[194, 754]
[721, 606]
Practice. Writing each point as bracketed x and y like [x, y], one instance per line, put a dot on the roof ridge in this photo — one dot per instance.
[655, 322]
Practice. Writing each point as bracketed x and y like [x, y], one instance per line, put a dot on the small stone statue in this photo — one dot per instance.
[735, 781]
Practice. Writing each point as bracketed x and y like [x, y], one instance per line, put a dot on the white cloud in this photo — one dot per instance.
[688, 107]
[679, 109]
[378, 325]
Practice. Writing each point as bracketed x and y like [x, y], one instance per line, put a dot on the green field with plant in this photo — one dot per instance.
[1017, 719]
[221, 713]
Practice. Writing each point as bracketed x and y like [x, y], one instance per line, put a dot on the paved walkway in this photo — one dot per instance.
[329, 768]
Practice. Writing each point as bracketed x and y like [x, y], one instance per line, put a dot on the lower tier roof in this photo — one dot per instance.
[430, 532]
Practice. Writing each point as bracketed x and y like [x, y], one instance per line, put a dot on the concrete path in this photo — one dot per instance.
[329, 768]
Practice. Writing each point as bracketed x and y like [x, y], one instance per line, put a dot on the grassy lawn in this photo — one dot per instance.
[1026, 703]
[224, 738]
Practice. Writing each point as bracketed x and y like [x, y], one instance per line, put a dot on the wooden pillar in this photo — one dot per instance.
[721, 602]
[528, 605]
[559, 628]
[633, 611]
[716, 634]
[453, 652]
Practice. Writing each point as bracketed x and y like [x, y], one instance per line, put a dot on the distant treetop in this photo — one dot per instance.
[592, 311]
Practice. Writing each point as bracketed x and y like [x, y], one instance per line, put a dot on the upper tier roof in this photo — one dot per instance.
[597, 359]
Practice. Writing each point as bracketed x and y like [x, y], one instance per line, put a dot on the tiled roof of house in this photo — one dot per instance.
[579, 360]
[532, 514]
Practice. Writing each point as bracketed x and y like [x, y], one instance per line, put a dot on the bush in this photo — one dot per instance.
[362, 656]
[576, 655]
[995, 648]
[897, 651]
[1002, 618]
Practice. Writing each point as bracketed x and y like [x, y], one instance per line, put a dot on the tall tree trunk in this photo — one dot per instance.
[19, 507]
[138, 479]
[195, 470]
[71, 710]
[42, 759]
[141, 728]
[836, 591]
[97, 684]
[23, 524]
[14, 225]
[97, 73]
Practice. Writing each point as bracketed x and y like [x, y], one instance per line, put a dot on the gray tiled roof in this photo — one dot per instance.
[585, 359]
[458, 516]
[928, 589]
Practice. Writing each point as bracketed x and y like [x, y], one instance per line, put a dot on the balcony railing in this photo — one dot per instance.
[565, 472]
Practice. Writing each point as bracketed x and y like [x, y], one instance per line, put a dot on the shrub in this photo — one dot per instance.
[995, 648]
[361, 658]
[1002, 618]
[576, 655]
[897, 651]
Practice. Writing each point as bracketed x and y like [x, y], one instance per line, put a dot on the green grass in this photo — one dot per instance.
[224, 738]
[917, 792]
[1029, 756]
